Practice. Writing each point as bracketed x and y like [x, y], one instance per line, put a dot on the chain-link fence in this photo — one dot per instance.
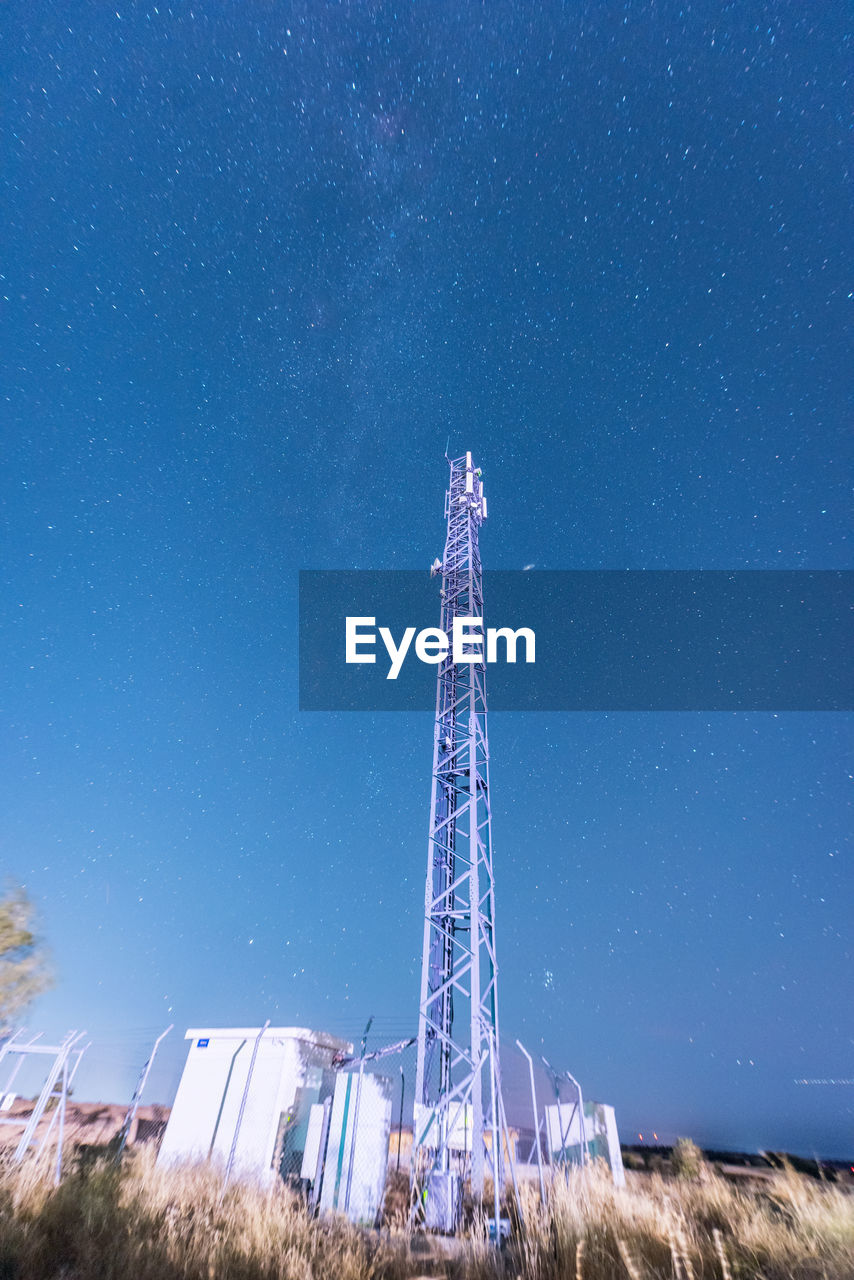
[362, 1158]
[357, 1148]
[333, 1117]
[553, 1124]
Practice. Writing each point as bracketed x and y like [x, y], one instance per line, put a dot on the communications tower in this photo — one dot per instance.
[459, 1117]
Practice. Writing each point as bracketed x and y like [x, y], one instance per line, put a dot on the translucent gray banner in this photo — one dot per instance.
[700, 640]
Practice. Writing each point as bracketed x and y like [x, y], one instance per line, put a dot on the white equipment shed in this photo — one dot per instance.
[258, 1121]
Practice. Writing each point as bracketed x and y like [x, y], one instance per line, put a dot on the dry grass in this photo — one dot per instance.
[141, 1223]
[793, 1229]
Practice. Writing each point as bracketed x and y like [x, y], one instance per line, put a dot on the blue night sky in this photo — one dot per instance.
[261, 261]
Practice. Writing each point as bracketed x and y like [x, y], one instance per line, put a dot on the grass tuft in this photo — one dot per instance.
[141, 1223]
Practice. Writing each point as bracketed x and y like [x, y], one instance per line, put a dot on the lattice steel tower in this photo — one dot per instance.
[458, 1083]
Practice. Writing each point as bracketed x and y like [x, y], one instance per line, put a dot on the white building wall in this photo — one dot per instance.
[357, 1150]
[204, 1115]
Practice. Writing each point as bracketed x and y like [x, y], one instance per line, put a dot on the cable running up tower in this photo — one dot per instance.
[458, 1108]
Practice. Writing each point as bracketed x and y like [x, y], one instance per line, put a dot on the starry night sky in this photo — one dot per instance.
[261, 261]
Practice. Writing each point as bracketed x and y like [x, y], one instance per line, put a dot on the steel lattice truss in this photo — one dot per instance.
[457, 1089]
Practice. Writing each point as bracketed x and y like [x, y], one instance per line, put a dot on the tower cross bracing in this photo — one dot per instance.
[458, 1108]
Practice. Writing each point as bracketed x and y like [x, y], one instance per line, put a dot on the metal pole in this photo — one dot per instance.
[356, 1116]
[582, 1128]
[239, 1120]
[61, 1135]
[400, 1120]
[496, 1152]
[66, 1089]
[13, 1048]
[317, 1187]
[563, 1136]
[134, 1105]
[62, 1052]
[510, 1160]
[8, 1044]
[536, 1121]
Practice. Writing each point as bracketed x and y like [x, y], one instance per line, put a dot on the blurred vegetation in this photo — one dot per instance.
[24, 969]
[150, 1224]
[686, 1159]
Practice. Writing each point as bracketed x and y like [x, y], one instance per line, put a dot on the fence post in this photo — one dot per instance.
[137, 1095]
[536, 1121]
[356, 1116]
[238, 1122]
[400, 1119]
[582, 1128]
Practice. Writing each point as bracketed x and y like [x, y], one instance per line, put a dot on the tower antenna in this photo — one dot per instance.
[459, 1116]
